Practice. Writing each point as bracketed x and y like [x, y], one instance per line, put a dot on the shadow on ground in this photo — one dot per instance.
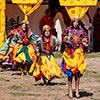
[50, 84]
[84, 94]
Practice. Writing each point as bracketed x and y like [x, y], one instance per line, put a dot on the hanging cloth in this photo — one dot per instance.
[77, 7]
[76, 11]
[28, 7]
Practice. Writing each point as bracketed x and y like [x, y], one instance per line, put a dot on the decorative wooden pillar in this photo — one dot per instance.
[2, 22]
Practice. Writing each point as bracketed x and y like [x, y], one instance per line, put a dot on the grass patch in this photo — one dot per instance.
[15, 87]
[3, 79]
[98, 75]
[20, 87]
[88, 55]
[93, 55]
[56, 98]
[99, 91]
[90, 73]
[23, 94]
[94, 99]
[57, 55]
[64, 76]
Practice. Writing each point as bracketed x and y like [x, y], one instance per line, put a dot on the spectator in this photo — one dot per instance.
[46, 20]
[59, 25]
[96, 33]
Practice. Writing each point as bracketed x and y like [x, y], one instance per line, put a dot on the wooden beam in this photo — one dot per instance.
[8, 2]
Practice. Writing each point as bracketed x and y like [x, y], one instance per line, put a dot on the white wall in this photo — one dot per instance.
[35, 17]
[13, 11]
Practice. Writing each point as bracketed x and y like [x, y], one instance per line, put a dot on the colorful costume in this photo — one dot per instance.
[46, 65]
[73, 62]
[6, 49]
[23, 47]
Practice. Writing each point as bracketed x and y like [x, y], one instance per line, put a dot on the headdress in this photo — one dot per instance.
[25, 22]
[46, 27]
[76, 17]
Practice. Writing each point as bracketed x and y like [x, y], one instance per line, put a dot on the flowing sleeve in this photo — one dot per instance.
[4, 49]
[55, 41]
[15, 39]
[84, 38]
[13, 43]
[39, 42]
[33, 37]
[65, 34]
[84, 34]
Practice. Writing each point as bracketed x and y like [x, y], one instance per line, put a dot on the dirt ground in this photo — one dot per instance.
[16, 87]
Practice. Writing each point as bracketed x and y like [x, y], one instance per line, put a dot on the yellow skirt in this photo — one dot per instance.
[74, 62]
[26, 55]
[46, 67]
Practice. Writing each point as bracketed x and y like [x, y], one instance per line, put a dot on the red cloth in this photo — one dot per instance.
[46, 21]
